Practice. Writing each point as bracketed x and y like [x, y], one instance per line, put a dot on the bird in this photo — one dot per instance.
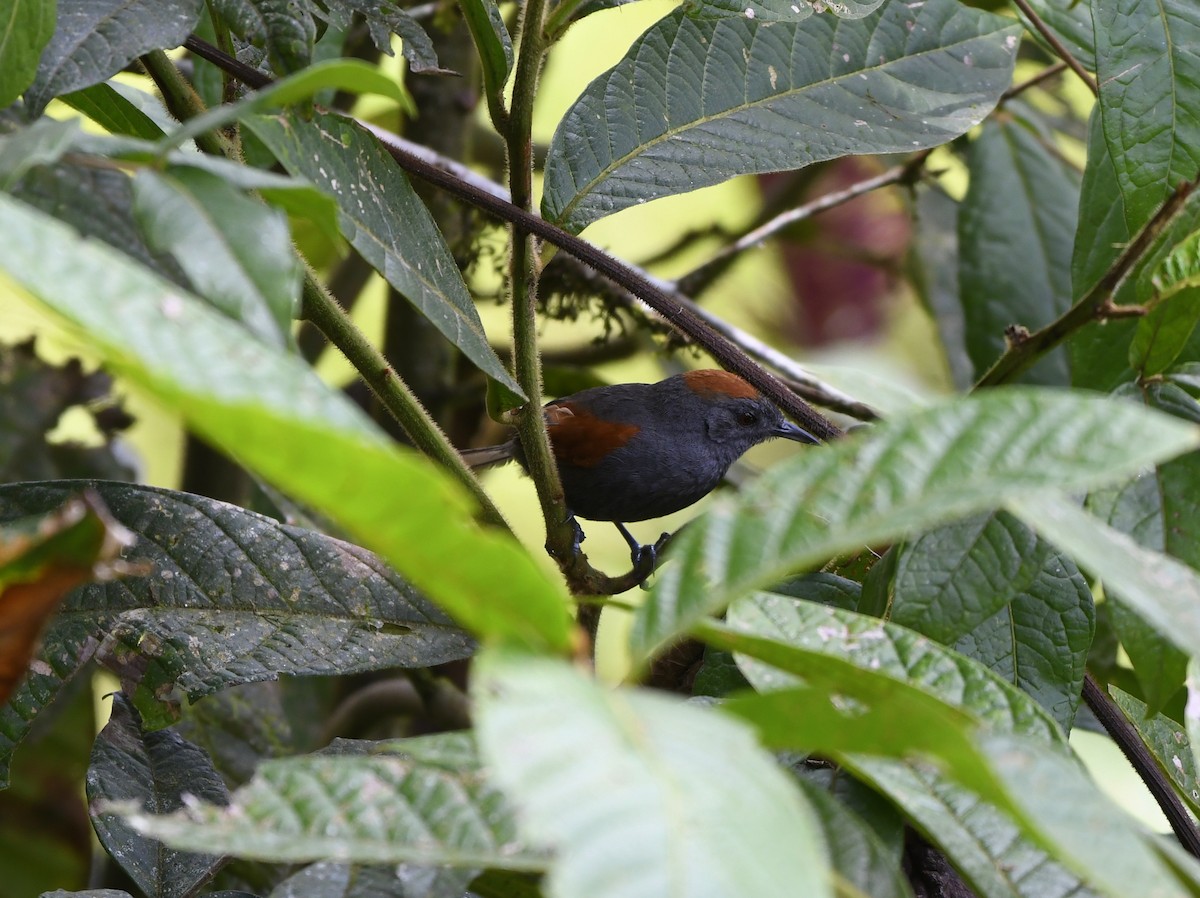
[634, 451]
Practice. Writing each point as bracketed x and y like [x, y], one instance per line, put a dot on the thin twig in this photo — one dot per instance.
[1030, 347]
[895, 175]
[1017, 89]
[1130, 742]
[1059, 48]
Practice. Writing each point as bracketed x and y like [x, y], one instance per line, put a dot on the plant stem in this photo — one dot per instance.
[524, 270]
[1059, 48]
[181, 100]
[1022, 353]
[1130, 743]
[333, 321]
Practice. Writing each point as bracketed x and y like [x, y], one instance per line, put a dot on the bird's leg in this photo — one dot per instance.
[645, 558]
[580, 536]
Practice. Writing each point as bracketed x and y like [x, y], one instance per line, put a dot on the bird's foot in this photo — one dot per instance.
[577, 538]
[644, 558]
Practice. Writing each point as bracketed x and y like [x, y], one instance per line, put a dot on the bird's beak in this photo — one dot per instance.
[790, 431]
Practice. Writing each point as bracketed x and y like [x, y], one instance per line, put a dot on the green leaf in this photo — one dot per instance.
[991, 588]
[858, 854]
[236, 251]
[230, 597]
[908, 474]
[1016, 227]
[1149, 75]
[344, 74]
[24, 32]
[809, 637]
[328, 879]
[1159, 665]
[273, 414]
[779, 10]
[376, 810]
[97, 203]
[1103, 227]
[43, 143]
[1071, 22]
[1057, 800]
[107, 107]
[492, 42]
[1162, 335]
[386, 222]
[284, 28]
[786, 95]
[983, 843]
[639, 793]
[156, 770]
[1168, 743]
[933, 266]
[95, 39]
[1163, 591]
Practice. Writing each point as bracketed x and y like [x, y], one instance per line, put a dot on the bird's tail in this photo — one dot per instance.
[487, 456]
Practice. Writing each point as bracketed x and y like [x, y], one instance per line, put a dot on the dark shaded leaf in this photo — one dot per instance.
[788, 95]
[386, 222]
[95, 39]
[1149, 76]
[283, 28]
[34, 395]
[230, 597]
[383, 17]
[934, 268]
[991, 588]
[779, 10]
[855, 850]
[155, 770]
[1016, 227]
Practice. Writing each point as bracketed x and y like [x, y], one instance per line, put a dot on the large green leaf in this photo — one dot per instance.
[229, 597]
[983, 843]
[95, 39]
[376, 810]
[812, 636]
[1057, 800]
[695, 102]
[236, 251]
[1163, 591]
[156, 769]
[26, 27]
[386, 222]
[780, 10]
[1015, 232]
[274, 415]
[639, 793]
[114, 112]
[990, 587]
[933, 465]
[1148, 68]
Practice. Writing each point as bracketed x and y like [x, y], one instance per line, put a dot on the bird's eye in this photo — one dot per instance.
[747, 419]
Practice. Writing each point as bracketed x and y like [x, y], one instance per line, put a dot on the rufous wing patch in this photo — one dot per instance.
[580, 438]
[711, 380]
